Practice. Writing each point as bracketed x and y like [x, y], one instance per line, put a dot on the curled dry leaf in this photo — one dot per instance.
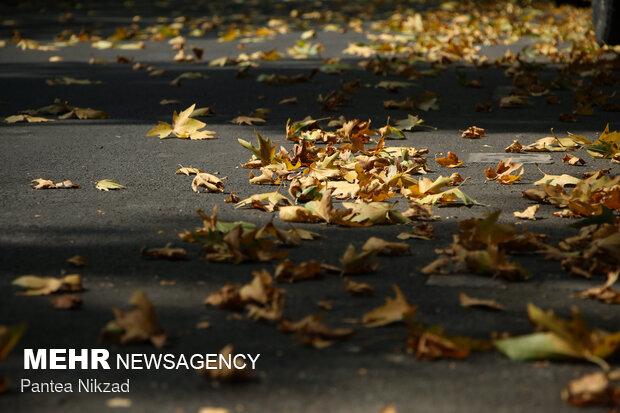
[26, 118]
[473, 132]
[356, 263]
[503, 172]
[594, 389]
[450, 161]
[188, 170]
[166, 252]
[210, 182]
[467, 301]
[386, 248]
[67, 302]
[226, 373]
[41, 183]
[357, 288]
[312, 332]
[48, 285]
[573, 160]
[247, 120]
[604, 292]
[288, 271]
[394, 310]
[136, 326]
[422, 230]
[108, 185]
[528, 213]
[77, 261]
[514, 147]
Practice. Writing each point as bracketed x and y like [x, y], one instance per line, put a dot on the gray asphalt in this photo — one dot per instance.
[39, 230]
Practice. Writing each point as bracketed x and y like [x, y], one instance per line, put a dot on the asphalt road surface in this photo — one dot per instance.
[40, 229]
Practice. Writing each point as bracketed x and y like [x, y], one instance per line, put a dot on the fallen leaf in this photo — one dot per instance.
[183, 127]
[473, 132]
[528, 213]
[467, 301]
[287, 271]
[573, 160]
[77, 261]
[386, 248]
[312, 332]
[67, 302]
[450, 161]
[26, 118]
[210, 182]
[188, 170]
[288, 101]
[41, 183]
[558, 338]
[356, 263]
[594, 389]
[108, 184]
[136, 326]
[225, 373]
[394, 310]
[48, 285]
[247, 120]
[166, 252]
[604, 292]
[357, 288]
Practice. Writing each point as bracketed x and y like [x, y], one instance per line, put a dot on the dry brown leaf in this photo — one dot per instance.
[210, 182]
[188, 170]
[166, 252]
[528, 213]
[136, 326]
[247, 120]
[573, 160]
[467, 301]
[473, 132]
[288, 101]
[604, 292]
[450, 161]
[594, 389]
[354, 263]
[288, 271]
[227, 374]
[67, 302]
[41, 183]
[394, 310]
[48, 285]
[502, 173]
[386, 248]
[312, 332]
[77, 261]
[357, 288]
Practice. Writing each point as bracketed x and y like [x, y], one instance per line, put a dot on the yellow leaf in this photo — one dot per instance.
[394, 310]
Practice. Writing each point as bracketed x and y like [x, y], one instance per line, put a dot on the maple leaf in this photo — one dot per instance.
[183, 127]
[411, 122]
[312, 332]
[265, 151]
[356, 263]
[357, 288]
[108, 184]
[287, 271]
[394, 310]
[136, 326]
[559, 338]
[41, 183]
[594, 389]
[247, 120]
[224, 372]
[386, 248]
[188, 171]
[67, 302]
[166, 252]
[26, 118]
[502, 173]
[270, 201]
[473, 132]
[528, 213]
[450, 161]
[467, 301]
[48, 285]
[604, 292]
[606, 146]
[210, 182]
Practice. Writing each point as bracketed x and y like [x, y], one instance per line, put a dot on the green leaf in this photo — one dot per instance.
[536, 346]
